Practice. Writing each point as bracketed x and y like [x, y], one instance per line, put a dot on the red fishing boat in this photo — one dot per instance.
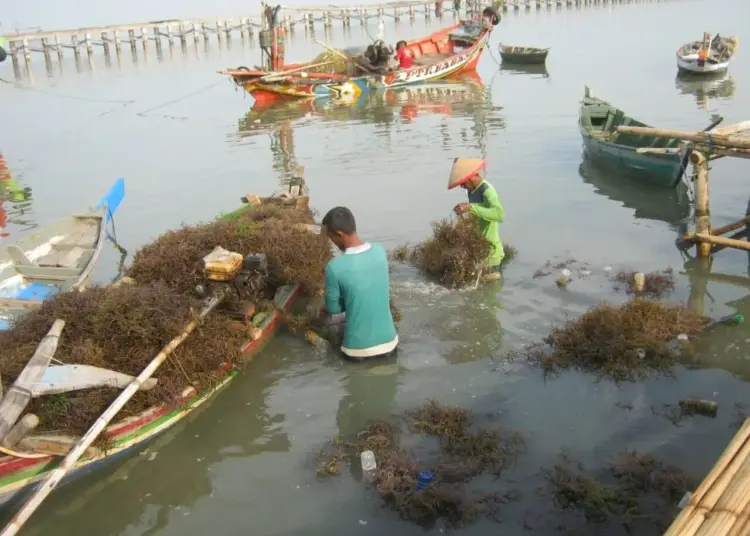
[449, 51]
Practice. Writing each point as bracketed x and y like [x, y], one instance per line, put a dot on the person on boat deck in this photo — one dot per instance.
[403, 55]
[357, 287]
[483, 204]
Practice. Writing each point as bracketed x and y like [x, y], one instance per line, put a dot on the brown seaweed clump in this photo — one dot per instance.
[656, 284]
[622, 343]
[638, 488]
[464, 454]
[295, 256]
[455, 255]
[122, 329]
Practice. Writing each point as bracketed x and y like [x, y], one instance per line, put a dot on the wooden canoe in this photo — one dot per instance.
[36, 455]
[627, 153]
[437, 55]
[721, 50]
[526, 55]
[58, 258]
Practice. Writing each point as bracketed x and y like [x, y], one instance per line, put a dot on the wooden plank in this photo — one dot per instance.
[19, 395]
[14, 303]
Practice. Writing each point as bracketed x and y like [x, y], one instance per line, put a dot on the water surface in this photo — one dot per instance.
[189, 145]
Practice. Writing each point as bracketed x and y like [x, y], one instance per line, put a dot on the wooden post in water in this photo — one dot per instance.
[345, 17]
[157, 40]
[170, 37]
[243, 28]
[702, 213]
[89, 45]
[105, 43]
[228, 28]
[118, 45]
[76, 50]
[131, 38]
[218, 30]
[144, 40]
[58, 47]
[26, 51]
[204, 31]
[45, 51]
[396, 14]
[412, 12]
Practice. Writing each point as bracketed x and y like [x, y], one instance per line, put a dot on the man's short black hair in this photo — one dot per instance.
[340, 220]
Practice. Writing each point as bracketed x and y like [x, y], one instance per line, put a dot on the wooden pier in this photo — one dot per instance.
[729, 141]
[135, 36]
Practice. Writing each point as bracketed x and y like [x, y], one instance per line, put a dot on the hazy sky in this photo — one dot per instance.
[54, 14]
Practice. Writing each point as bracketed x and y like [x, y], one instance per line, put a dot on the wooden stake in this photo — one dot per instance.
[724, 229]
[101, 423]
[702, 214]
[19, 395]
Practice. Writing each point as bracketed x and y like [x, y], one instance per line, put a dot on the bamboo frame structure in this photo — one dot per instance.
[729, 141]
[21, 45]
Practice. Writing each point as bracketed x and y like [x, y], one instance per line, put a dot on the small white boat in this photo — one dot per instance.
[707, 56]
[58, 258]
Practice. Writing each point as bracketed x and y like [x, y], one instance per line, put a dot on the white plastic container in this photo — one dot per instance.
[369, 465]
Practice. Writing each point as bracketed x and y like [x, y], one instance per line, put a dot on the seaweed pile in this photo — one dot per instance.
[294, 255]
[466, 451]
[122, 328]
[624, 343]
[636, 488]
[455, 255]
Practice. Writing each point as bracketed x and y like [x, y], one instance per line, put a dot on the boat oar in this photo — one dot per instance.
[98, 427]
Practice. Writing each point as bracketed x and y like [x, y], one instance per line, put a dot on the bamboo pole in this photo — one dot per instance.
[702, 214]
[724, 229]
[706, 138]
[706, 239]
[98, 427]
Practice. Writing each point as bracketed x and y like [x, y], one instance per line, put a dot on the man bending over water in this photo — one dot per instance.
[357, 284]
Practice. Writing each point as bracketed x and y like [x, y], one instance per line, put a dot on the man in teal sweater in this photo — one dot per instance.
[483, 203]
[357, 285]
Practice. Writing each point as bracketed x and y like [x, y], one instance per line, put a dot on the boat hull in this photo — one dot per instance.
[663, 170]
[691, 66]
[18, 475]
[459, 61]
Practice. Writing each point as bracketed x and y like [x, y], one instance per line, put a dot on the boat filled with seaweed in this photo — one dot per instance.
[335, 73]
[222, 287]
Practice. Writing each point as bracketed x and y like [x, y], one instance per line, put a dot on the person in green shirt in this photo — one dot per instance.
[483, 204]
[357, 290]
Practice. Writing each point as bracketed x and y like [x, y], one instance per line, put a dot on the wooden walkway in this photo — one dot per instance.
[721, 504]
[52, 44]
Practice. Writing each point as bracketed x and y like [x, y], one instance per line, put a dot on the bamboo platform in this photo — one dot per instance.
[50, 44]
[729, 141]
[721, 504]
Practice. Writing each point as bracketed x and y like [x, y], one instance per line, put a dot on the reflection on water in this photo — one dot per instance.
[15, 203]
[532, 70]
[648, 202]
[466, 96]
[705, 87]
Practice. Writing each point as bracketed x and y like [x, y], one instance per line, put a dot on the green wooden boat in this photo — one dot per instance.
[523, 55]
[658, 161]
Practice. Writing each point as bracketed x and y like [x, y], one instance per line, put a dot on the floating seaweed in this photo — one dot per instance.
[639, 488]
[465, 452]
[455, 255]
[622, 343]
[656, 284]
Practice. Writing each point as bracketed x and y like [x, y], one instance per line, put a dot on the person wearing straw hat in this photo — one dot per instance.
[483, 204]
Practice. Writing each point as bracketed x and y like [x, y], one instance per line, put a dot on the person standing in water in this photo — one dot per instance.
[483, 203]
[357, 285]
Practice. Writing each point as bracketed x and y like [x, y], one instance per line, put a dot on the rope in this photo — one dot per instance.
[63, 96]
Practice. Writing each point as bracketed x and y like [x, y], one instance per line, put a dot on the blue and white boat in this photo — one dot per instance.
[58, 258]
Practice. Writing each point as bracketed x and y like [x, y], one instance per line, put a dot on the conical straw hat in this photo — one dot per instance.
[463, 169]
